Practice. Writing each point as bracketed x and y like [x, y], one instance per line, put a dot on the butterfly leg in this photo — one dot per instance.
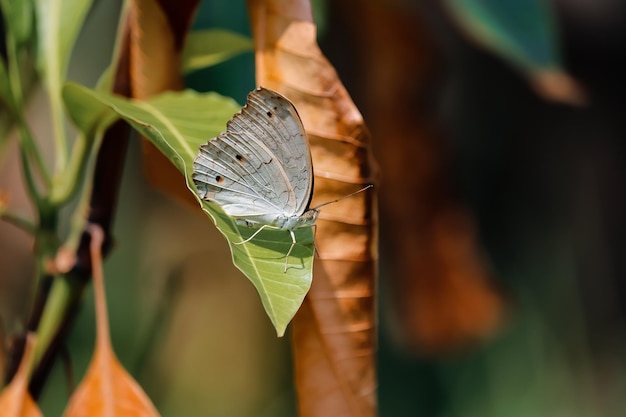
[314, 243]
[253, 235]
[293, 243]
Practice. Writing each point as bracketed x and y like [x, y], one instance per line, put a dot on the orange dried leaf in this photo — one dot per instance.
[334, 332]
[107, 388]
[15, 401]
[158, 30]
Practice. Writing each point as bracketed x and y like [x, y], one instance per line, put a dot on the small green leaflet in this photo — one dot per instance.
[522, 31]
[205, 48]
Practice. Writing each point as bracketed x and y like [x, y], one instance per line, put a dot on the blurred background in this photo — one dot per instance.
[502, 227]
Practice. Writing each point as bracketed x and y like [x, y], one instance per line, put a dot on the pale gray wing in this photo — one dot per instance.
[271, 120]
[243, 177]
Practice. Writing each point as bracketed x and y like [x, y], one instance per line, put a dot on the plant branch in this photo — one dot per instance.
[19, 222]
[58, 126]
[75, 172]
[61, 295]
[29, 150]
[105, 188]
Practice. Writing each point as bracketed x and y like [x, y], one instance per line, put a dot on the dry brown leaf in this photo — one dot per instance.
[107, 389]
[334, 332]
[158, 30]
[442, 292]
[15, 400]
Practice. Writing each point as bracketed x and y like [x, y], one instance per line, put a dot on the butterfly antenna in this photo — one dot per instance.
[344, 197]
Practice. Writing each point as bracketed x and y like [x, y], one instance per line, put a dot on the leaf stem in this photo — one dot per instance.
[74, 175]
[53, 314]
[27, 149]
[19, 222]
[103, 338]
[58, 126]
[27, 144]
[52, 79]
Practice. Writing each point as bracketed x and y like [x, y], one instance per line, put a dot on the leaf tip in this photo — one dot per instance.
[280, 330]
[557, 85]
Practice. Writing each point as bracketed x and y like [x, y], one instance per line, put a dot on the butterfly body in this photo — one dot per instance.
[283, 222]
[259, 171]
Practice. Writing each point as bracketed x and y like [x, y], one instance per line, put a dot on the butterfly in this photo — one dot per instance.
[260, 171]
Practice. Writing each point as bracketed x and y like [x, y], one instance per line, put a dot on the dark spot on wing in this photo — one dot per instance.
[240, 158]
[269, 114]
[219, 178]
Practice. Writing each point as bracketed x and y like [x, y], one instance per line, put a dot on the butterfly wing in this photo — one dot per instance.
[277, 124]
[260, 168]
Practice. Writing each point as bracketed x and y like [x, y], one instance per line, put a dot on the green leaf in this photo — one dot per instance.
[58, 25]
[177, 123]
[522, 31]
[18, 16]
[204, 48]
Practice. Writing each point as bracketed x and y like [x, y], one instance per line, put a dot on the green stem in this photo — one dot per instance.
[19, 222]
[31, 155]
[83, 152]
[58, 126]
[52, 79]
[29, 146]
[46, 246]
[80, 214]
[62, 295]
[31, 187]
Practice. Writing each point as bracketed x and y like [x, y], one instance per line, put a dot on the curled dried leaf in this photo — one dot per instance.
[158, 30]
[334, 331]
